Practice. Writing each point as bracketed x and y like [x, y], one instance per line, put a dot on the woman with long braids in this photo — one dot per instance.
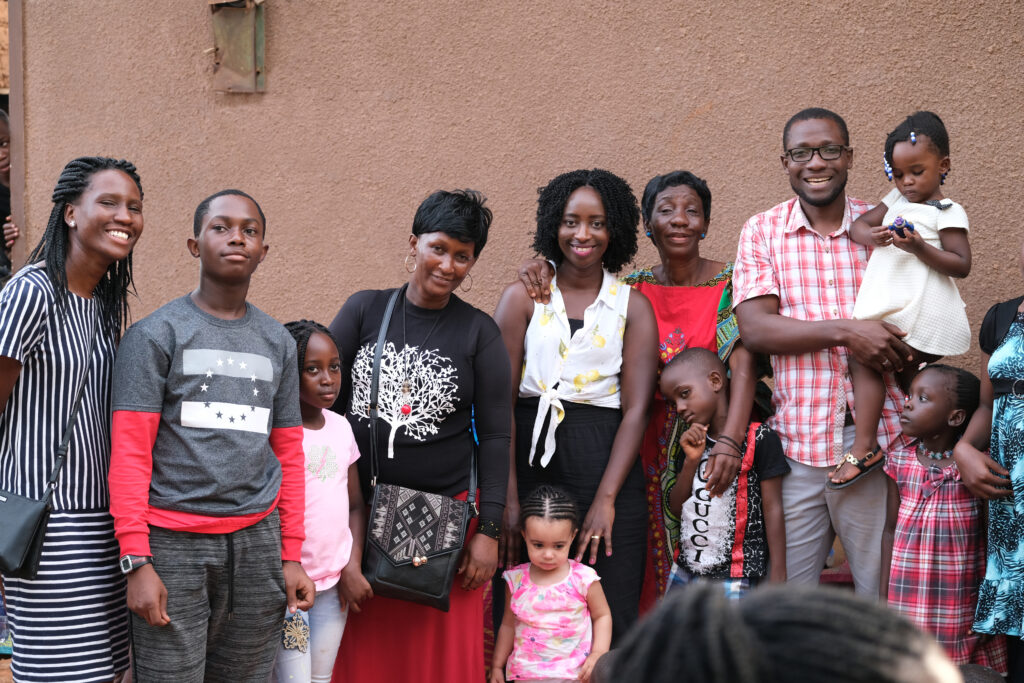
[69, 624]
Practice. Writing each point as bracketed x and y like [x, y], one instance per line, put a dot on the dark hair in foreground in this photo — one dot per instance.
[620, 210]
[816, 113]
[204, 208]
[660, 183]
[963, 385]
[550, 502]
[460, 214]
[113, 288]
[301, 331]
[775, 634]
[919, 123]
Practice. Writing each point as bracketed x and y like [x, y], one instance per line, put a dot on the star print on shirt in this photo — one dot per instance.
[224, 373]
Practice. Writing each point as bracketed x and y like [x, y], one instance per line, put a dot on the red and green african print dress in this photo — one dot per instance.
[694, 316]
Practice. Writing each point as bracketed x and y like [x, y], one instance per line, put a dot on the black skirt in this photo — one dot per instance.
[583, 444]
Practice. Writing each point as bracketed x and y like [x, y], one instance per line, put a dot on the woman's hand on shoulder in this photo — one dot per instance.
[536, 275]
[353, 588]
[983, 476]
[479, 561]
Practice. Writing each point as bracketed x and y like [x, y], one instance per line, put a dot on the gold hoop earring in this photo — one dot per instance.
[407, 268]
[463, 286]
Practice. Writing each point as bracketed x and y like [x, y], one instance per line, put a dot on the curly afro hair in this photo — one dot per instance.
[620, 208]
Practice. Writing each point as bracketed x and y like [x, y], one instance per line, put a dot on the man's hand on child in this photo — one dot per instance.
[147, 596]
[297, 586]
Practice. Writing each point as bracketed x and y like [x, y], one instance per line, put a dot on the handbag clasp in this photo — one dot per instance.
[418, 561]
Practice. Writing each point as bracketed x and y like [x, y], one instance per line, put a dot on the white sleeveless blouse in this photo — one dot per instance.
[581, 368]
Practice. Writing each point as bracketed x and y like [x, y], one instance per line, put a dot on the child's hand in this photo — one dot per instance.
[693, 441]
[353, 588]
[497, 675]
[911, 242]
[588, 666]
[881, 235]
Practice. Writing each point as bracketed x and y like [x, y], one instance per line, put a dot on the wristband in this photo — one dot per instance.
[726, 453]
[489, 529]
[729, 441]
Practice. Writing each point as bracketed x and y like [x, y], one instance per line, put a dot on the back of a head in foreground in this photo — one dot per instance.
[778, 634]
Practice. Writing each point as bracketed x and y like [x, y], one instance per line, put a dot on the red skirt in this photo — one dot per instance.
[395, 640]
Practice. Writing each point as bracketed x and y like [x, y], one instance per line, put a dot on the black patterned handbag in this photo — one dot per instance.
[413, 538]
[25, 519]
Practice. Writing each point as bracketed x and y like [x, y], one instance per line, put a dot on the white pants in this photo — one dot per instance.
[815, 515]
[326, 626]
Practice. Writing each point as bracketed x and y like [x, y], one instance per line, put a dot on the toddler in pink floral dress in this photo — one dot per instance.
[557, 621]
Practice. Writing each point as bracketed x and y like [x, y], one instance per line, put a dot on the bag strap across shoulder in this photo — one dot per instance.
[373, 407]
[62, 449]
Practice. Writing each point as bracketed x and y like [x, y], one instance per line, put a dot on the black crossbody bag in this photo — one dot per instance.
[413, 538]
[24, 519]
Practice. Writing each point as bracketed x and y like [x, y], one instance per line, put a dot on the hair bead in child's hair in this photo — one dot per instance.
[886, 167]
[913, 138]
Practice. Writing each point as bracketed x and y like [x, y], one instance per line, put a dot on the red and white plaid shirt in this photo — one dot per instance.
[815, 278]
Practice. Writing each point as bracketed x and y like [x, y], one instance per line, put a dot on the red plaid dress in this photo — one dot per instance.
[938, 558]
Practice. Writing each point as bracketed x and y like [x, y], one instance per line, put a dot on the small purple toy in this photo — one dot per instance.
[900, 224]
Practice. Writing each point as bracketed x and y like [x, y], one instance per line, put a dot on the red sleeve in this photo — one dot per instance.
[287, 445]
[131, 469]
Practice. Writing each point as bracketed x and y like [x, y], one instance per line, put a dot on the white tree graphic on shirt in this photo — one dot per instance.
[431, 396]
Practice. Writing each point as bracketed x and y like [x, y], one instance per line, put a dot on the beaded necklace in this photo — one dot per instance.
[934, 455]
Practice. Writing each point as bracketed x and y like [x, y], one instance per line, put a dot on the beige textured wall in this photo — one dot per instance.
[371, 106]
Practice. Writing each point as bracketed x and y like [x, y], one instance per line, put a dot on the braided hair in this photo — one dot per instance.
[301, 331]
[919, 123]
[550, 502]
[774, 634]
[620, 208]
[113, 288]
[964, 385]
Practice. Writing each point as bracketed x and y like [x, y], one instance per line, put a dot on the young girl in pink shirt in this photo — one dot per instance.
[557, 621]
[335, 517]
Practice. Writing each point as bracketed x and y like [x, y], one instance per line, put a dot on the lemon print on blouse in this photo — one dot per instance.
[546, 316]
[613, 290]
[583, 379]
[597, 339]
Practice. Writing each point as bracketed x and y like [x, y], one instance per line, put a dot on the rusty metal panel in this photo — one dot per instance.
[238, 38]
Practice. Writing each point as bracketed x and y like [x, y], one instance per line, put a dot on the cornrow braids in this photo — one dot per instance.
[919, 123]
[965, 387]
[301, 331]
[549, 502]
[620, 210]
[113, 288]
[775, 634]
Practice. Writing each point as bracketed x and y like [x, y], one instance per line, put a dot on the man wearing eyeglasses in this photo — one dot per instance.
[796, 279]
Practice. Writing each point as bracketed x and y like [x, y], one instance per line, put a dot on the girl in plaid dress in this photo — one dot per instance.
[934, 532]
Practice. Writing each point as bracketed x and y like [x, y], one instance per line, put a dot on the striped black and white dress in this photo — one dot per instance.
[71, 623]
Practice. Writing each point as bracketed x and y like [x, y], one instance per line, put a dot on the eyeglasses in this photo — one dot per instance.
[826, 152]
